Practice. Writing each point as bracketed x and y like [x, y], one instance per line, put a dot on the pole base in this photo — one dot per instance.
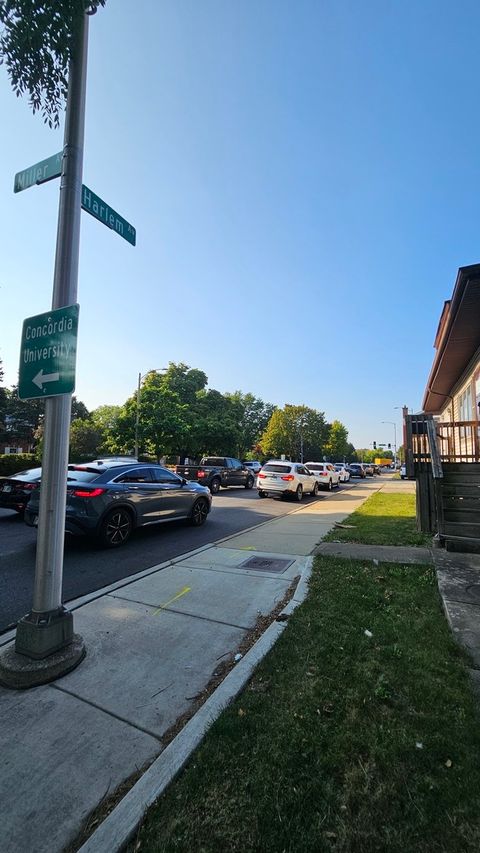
[19, 672]
[39, 635]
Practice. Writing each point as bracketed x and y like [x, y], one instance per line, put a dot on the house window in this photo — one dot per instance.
[465, 405]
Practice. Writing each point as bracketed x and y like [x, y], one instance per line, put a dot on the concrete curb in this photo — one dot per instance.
[120, 825]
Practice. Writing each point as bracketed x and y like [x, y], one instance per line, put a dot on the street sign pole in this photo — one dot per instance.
[48, 629]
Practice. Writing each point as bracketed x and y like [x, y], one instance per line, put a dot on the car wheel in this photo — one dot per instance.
[215, 486]
[338, 483]
[314, 491]
[299, 493]
[262, 494]
[116, 528]
[199, 513]
[249, 483]
[330, 486]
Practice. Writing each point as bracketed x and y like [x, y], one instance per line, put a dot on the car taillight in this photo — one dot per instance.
[29, 486]
[261, 476]
[323, 473]
[201, 474]
[91, 493]
[288, 477]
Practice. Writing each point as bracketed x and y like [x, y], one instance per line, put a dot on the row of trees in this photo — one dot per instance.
[178, 415]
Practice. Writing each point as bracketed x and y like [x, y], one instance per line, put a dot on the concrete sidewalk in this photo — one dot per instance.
[153, 643]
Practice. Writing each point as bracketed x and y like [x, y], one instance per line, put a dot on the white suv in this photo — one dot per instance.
[290, 479]
[327, 476]
[344, 474]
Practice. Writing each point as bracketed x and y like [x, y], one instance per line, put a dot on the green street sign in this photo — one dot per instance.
[48, 353]
[101, 211]
[40, 173]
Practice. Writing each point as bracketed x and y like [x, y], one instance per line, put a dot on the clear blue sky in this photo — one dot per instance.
[303, 177]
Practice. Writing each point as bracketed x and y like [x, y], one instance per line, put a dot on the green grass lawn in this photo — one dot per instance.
[384, 519]
[342, 741]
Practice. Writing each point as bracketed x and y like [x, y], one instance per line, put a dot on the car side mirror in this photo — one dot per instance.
[184, 481]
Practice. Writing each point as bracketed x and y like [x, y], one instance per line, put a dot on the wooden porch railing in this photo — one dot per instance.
[456, 441]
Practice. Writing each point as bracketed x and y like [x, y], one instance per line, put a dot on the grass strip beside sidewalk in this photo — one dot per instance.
[384, 519]
[342, 741]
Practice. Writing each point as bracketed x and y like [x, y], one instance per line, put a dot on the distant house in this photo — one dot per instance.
[17, 436]
[443, 441]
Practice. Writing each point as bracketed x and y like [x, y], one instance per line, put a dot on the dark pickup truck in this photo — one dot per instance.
[216, 471]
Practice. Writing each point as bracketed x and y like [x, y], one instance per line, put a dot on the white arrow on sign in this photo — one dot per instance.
[40, 379]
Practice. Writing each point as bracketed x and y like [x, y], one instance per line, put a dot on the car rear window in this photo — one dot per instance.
[278, 469]
[214, 460]
[82, 475]
[31, 474]
[317, 466]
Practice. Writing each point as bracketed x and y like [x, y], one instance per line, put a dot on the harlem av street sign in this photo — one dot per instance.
[101, 211]
[40, 173]
[48, 353]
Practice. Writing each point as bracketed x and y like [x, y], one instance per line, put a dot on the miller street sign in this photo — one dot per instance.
[39, 173]
[47, 354]
[101, 211]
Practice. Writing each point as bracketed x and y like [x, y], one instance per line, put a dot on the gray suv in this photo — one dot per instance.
[109, 501]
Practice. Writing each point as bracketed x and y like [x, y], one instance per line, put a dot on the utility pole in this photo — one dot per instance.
[46, 645]
[392, 423]
[137, 416]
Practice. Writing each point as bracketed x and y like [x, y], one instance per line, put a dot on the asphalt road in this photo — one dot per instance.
[87, 567]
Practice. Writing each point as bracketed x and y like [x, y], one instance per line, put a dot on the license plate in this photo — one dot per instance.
[272, 476]
[7, 489]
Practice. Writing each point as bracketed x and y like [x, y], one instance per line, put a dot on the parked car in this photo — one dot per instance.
[327, 475]
[357, 470]
[377, 470]
[403, 471]
[253, 465]
[289, 479]
[343, 471]
[218, 471]
[16, 489]
[368, 469]
[110, 501]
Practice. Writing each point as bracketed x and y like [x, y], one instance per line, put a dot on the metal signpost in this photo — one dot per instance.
[47, 354]
[45, 645]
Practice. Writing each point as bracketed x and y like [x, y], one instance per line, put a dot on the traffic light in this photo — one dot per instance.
[389, 446]
[374, 445]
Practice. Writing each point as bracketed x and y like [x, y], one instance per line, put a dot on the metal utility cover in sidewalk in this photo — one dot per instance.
[266, 564]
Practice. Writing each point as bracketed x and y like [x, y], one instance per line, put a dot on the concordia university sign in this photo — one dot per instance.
[48, 354]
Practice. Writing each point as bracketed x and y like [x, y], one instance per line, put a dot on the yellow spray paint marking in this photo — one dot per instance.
[175, 597]
[247, 548]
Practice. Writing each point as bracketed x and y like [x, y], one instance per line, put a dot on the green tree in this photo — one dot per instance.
[79, 409]
[254, 416]
[214, 430]
[3, 403]
[162, 421]
[294, 429]
[35, 45]
[85, 440]
[105, 420]
[337, 443]
[184, 381]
